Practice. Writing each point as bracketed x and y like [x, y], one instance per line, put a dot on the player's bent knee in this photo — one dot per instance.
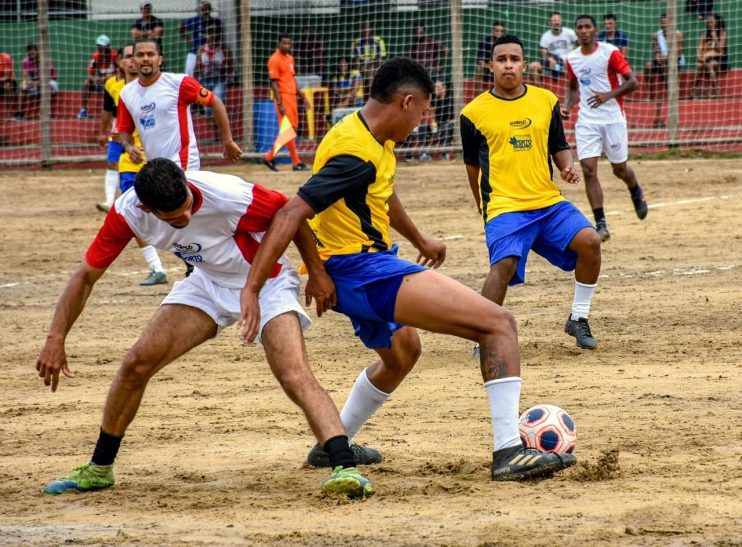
[137, 367]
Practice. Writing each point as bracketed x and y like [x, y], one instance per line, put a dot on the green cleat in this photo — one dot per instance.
[154, 278]
[84, 478]
[348, 482]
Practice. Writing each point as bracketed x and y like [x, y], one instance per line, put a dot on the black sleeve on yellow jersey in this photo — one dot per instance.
[557, 140]
[340, 177]
[471, 139]
[108, 104]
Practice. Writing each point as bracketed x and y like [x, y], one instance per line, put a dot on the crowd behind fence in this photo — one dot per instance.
[51, 115]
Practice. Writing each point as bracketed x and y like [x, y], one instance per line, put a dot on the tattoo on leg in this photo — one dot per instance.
[492, 366]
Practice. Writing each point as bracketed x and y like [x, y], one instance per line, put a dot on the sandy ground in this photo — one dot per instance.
[216, 453]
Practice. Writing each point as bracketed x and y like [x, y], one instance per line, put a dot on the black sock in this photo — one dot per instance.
[599, 215]
[339, 451]
[106, 449]
[635, 191]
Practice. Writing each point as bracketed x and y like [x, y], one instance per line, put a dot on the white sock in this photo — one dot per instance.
[504, 398]
[364, 400]
[583, 298]
[152, 258]
[111, 183]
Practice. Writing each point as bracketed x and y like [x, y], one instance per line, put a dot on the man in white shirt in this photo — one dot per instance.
[595, 71]
[554, 46]
[216, 222]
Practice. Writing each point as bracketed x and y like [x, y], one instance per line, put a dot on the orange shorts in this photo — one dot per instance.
[292, 111]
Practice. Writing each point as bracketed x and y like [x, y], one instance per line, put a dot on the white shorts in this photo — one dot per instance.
[612, 138]
[279, 295]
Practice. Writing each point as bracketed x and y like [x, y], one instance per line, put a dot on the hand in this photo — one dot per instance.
[249, 322]
[135, 153]
[432, 252]
[103, 140]
[569, 174]
[598, 98]
[282, 109]
[565, 112]
[51, 360]
[115, 135]
[321, 287]
[232, 151]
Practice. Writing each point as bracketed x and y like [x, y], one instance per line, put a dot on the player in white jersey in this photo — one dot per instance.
[215, 221]
[158, 104]
[595, 70]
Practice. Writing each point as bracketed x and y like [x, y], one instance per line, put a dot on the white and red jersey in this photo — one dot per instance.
[161, 113]
[229, 219]
[599, 71]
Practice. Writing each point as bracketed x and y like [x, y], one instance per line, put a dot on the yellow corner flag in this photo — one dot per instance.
[286, 134]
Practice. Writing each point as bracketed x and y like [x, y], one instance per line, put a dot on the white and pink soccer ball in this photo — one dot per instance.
[548, 428]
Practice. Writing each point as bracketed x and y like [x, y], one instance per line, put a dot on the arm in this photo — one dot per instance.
[231, 150]
[573, 96]
[630, 84]
[283, 229]
[53, 359]
[319, 285]
[277, 97]
[184, 33]
[472, 173]
[431, 251]
[559, 148]
[158, 31]
[125, 126]
[470, 143]
[105, 128]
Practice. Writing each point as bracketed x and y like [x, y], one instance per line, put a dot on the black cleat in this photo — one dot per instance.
[519, 463]
[640, 204]
[363, 455]
[602, 229]
[580, 329]
[270, 164]
[301, 167]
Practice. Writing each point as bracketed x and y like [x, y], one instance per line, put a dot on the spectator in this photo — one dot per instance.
[214, 64]
[427, 51]
[701, 8]
[102, 65]
[309, 53]
[346, 86]
[554, 46]
[484, 55]
[612, 35]
[712, 55]
[368, 53]
[656, 69]
[438, 131]
[8, 82]
[193, 31]
[31, 77]
[148, 27]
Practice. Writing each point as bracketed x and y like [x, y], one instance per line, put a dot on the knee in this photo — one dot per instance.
[589, 172]
[295, 382]
[620, 171]
[407, 351]
[500, 322]
[137, 368]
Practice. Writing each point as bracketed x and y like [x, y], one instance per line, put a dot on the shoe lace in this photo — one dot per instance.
[583, 329]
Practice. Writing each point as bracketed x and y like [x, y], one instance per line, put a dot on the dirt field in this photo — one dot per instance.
[216, 453]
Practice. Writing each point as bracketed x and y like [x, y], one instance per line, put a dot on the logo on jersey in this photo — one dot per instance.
[521, 124]
[521, 144]
[147, 108]
[147, 123]
[585, 76]
[188, 251]
[203, 92]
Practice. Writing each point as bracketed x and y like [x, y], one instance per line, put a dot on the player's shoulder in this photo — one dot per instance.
[349, 136]
[607, 48]
[541, 94]
[476, 104]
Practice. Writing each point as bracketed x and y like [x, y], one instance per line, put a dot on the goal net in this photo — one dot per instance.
[54, 115]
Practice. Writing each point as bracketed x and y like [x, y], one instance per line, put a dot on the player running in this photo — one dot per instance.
[593, 70]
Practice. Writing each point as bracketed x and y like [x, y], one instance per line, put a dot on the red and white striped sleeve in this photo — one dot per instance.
[124, 121]
[618, 63]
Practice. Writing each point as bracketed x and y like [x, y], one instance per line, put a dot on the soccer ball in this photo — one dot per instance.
[548, 428]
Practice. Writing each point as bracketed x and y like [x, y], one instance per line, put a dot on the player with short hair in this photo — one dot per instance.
[121, 170]
[218, 220]
[508, 135]
[157, 106]
[594, 69]
[352, 204]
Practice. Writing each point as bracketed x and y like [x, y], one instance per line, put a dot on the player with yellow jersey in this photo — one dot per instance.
[509, 135]
[352, 204]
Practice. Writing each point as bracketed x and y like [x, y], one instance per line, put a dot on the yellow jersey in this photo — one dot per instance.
[112, 88]
[352, 181]
[511, 140]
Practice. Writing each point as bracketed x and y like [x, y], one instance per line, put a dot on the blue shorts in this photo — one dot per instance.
[115, 149]
[547, 231]
[126, 181]
[367, 286]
